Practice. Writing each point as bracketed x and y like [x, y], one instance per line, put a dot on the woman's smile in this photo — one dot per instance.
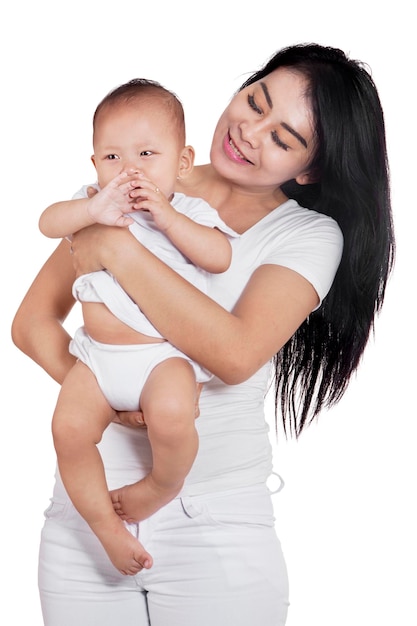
[233, 152]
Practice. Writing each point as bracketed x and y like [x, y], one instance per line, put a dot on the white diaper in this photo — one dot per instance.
[122, 370]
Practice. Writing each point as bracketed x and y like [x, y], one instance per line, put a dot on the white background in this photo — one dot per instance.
[346, 516]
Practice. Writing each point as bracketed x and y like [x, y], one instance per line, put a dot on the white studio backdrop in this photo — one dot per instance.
[346, 517]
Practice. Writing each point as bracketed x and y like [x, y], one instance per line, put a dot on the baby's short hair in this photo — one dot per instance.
[142, 88]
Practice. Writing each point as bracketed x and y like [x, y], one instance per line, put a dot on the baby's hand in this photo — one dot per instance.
[110, 205]
[147, 196]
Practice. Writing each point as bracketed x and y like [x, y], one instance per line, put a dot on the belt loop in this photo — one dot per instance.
[280, 486]
[189, 509]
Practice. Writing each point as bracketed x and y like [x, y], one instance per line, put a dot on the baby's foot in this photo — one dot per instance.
[134, 503]
[125, 552]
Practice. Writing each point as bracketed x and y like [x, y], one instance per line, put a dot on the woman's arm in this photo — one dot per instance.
[37, 327]
[231, 345]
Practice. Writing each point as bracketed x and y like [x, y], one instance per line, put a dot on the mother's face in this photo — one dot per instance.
[265, 137]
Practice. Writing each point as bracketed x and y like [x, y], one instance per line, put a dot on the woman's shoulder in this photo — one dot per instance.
[298, 221]
[302, 240]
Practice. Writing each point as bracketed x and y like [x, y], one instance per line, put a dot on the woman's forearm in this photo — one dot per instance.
[231, 345]
[37, 328]
[181, 313]
[47, 345]
[177, 309]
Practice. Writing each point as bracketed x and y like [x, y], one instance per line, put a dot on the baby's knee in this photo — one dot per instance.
[175, 408]
[68, 433]
[175, 419]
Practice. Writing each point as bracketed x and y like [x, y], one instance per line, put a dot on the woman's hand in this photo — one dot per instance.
[85, 249]
[135, 419]
[89, 245]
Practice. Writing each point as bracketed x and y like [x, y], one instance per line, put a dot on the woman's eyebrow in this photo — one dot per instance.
[291, 130]
[266, 94]
[295, 134]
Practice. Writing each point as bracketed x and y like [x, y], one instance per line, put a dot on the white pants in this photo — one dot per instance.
[217, 562]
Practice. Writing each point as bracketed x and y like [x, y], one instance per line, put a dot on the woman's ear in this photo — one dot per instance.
[186, 163]
[307, 178]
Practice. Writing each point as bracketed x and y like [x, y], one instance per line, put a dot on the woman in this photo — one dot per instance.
[308, 127]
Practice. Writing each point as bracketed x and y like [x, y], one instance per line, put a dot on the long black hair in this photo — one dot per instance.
[350, 166]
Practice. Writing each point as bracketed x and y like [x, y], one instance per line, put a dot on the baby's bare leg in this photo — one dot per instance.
[81, 415]
[168, 403]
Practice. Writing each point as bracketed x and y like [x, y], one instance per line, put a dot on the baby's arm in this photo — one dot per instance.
[108, 206]
[204, 246]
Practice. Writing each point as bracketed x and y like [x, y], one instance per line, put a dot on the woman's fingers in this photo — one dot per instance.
[134, 419]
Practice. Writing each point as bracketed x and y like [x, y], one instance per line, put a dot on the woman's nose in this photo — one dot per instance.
[251, 133]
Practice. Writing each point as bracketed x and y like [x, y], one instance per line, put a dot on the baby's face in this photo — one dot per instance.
[137, 136]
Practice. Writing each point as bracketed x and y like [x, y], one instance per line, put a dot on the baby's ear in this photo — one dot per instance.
[186, 163]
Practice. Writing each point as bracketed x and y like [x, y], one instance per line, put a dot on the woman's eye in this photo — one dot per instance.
[278, 141]
[253, 105]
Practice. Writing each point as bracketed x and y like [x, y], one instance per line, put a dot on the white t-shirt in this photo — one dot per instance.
[234, 443]
[103, 287]
[234, 449]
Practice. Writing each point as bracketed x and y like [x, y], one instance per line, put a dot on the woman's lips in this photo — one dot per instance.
[233, 151]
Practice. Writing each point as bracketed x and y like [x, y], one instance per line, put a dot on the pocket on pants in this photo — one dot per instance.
[55, 510]
[241, 507]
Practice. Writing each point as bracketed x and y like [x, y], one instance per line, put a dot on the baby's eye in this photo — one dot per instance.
[112, 157]
[146, 153]
[253, 105]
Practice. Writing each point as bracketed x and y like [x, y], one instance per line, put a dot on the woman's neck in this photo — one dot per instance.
[238, 207]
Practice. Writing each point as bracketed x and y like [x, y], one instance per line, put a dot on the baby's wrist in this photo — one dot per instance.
[174, 223]
[91, 210]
